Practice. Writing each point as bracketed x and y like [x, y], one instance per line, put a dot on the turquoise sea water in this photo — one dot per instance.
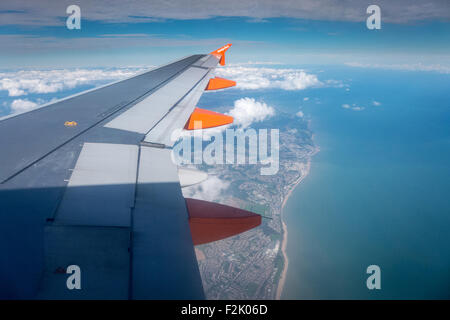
[378, 191]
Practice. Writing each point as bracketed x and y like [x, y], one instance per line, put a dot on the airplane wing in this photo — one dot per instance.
[90, 201]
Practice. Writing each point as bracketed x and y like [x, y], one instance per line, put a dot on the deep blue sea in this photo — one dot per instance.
[378, 191]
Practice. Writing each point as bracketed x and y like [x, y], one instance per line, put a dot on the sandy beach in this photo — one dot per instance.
[304, 173]
[286, 262]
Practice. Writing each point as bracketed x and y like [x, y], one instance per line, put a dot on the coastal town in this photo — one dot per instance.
[253, 265]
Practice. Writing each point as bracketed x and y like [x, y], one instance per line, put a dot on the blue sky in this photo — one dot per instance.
[42, 60]
[119, 33]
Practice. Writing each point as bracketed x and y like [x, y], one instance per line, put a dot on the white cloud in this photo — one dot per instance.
[305, 99]
[298, 81]
[264, 78]
[247, 111]
[300, 114]
[23, 82]
[376, 103]
[406, 66]
[352, 107]
[21, 105]
[210, 190]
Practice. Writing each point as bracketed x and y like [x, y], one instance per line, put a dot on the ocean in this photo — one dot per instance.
[378, 192]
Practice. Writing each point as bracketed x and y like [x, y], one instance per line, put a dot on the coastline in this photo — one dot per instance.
[291, 188]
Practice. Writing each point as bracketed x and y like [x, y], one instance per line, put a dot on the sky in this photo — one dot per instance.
[274, 43]
[415, 34]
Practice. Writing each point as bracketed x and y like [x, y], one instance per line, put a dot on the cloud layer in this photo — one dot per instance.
[51, 12]
[245, 110]
[21, 83]
[406, 67]
[353, 107]
[264, 78]
[21, 105]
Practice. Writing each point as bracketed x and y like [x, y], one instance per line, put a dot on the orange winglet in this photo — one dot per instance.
[219, 83]
[202, 119]
[211, 221]
[220, 53]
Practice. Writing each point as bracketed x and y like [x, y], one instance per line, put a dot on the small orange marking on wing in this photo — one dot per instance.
[70, 123]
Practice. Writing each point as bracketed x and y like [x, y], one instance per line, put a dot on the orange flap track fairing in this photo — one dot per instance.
[219, 83]
[207, 119]
[211, 221]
